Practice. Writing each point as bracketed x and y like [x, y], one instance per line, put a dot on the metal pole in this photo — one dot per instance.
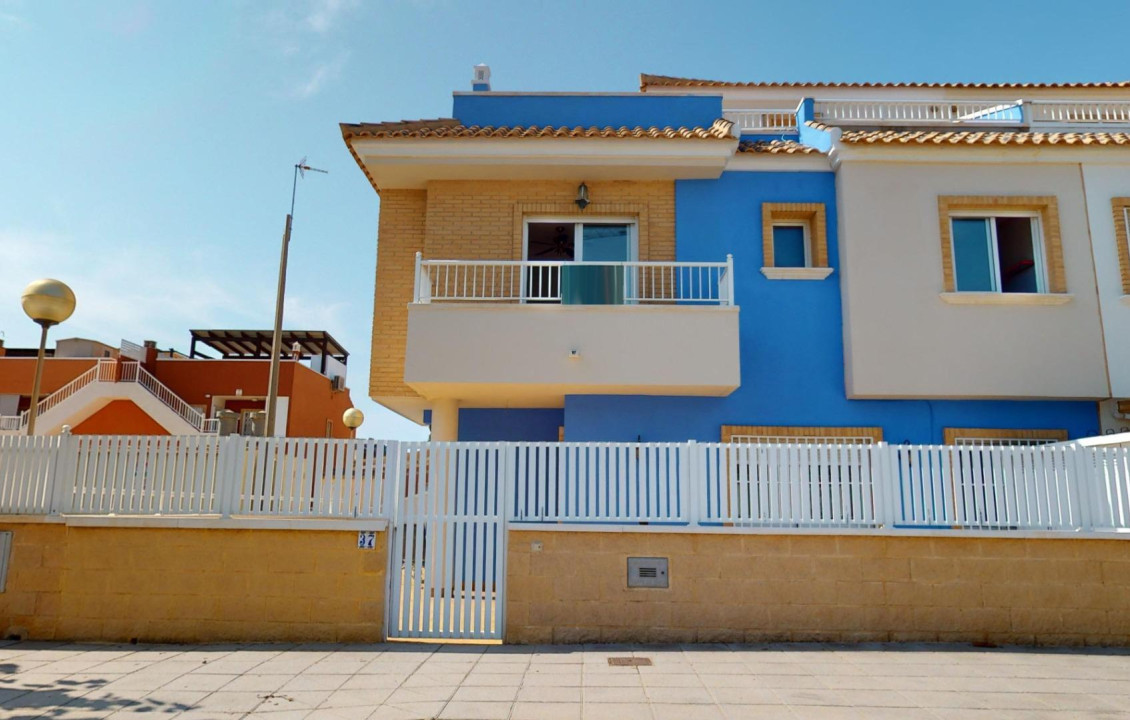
[276, 338]
[33, 411]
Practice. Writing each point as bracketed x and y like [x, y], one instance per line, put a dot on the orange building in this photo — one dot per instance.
[218, 387]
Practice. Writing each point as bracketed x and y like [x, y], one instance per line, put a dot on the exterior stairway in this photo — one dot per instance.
[112, 380]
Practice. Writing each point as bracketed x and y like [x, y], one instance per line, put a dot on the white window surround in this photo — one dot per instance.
[578, 222]
[999, 298]
[808, 272]
[805, 273]
[1038, 254]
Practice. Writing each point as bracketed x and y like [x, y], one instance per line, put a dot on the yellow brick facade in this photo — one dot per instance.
[483, 220]
[829, 588]
[192, 585]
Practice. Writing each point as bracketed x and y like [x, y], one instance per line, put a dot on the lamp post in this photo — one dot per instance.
[47, 302]
[276, 339]
[353, 419]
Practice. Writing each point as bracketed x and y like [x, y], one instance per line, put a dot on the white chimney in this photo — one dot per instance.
[481, 81]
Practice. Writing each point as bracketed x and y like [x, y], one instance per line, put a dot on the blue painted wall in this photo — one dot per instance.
[533, 424]
[791, 341]
[587, 110]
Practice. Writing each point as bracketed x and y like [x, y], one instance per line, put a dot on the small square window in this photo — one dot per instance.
[997, 254]
[790, 246]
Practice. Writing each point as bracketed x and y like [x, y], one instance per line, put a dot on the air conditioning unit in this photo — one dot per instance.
[338, 382]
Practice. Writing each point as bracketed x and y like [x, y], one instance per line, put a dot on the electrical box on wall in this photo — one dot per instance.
[647, 572]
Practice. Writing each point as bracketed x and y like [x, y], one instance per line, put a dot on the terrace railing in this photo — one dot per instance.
[1036, 114]
[770, 122]
[532, 281]
[804, 487]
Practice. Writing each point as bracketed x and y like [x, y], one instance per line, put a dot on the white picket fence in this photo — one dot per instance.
[1062, 487]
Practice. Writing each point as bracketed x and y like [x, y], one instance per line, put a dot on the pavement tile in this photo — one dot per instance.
[489, 693]
[476, 711]
[545, 711]
[372, 682]
[692, 681]
[408, 711]
[606, 711]
[315, 682]
[439, 693]
[745, 696]
[615, 695]
[679, 696]
[755, 712]
[258, 683]
[549, 694]
[675, 711]
[370, 697]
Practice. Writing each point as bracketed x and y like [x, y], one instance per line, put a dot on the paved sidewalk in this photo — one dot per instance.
[352, 682]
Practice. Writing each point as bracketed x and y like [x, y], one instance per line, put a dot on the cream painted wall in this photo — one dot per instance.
[902, 340]
[519, 355]
[1104, 182]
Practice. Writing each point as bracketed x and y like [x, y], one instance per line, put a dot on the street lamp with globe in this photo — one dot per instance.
[353, 419]
[47, 302]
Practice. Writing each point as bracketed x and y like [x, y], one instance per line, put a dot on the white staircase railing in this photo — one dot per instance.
[114, 371]
[170, 399]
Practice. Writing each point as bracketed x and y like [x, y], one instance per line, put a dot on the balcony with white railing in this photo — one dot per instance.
[519, 331]
[1048, 115]
[574, 283]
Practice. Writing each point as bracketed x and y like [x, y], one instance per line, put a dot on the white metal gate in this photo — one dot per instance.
[447, 552]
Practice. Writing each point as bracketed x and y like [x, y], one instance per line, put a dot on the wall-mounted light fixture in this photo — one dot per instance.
[582, 196]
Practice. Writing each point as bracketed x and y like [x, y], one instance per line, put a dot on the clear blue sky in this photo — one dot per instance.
[146, 146]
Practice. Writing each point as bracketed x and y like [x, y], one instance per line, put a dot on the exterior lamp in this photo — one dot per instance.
[582, 196]
[353, 419]
[47, 302]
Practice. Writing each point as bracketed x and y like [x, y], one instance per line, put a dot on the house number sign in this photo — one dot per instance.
[366, 539]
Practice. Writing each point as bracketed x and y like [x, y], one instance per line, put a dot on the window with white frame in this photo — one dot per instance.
[1001, 252]
[549, 242]
[791, 246]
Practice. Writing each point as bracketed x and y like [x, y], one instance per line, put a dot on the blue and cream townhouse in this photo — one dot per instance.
[702, 260]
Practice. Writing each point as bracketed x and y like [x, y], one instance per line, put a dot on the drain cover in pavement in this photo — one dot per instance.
[628, 661]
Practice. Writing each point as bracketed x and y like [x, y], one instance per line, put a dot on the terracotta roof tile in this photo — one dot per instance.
[981, 137]
[786, 147]
[668, 81]
[448, 128]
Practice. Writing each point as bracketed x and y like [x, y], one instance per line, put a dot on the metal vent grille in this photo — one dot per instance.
[1001, 442]
[800, 440]
[647, 572]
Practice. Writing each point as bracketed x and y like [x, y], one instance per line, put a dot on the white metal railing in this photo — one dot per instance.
[762, 121]
[521, 281]
[1066, 112]
[928, 112]
[1027, 113]
[114, 371]
[170, 399]
[807, 487]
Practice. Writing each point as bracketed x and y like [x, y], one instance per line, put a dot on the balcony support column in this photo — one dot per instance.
[445, 420]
